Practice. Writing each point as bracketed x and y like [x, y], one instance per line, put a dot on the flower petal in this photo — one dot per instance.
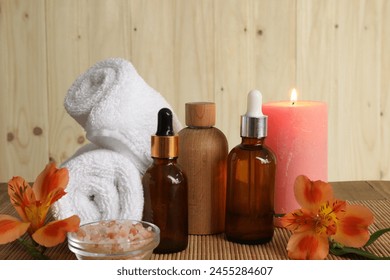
[352, 229]
[11, 228]
[50, 184]
[311, 194]
[308, 246]
[338, 207]
[36, 215]
[54, 232]
[21, 195]
[298, 220]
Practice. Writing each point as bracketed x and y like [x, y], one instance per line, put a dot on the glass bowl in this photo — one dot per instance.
[114, 240]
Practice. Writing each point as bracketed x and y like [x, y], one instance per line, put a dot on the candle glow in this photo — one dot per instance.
[293, 96]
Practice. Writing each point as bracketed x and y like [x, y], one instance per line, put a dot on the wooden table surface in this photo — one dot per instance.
[373, 194]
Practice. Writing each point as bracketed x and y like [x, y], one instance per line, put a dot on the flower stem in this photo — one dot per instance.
[35, 250]
[338, 249]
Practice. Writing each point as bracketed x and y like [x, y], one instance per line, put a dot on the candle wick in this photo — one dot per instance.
[293, 102]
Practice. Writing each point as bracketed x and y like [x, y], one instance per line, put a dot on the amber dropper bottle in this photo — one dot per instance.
[165, 189]
[251, 180]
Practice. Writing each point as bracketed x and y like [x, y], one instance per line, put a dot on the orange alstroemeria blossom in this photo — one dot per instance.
[321, 218]
[55, 231]
[33, 203]
[11, 228]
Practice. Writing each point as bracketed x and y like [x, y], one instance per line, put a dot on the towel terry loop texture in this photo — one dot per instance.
[118, 110]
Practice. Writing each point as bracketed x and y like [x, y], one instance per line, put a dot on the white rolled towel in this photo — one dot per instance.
[103, 185]
[117, 109]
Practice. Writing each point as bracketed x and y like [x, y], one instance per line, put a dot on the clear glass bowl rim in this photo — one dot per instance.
[75, 245]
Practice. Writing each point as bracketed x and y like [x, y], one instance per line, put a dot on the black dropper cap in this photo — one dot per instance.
[164, 123]
[165, 142]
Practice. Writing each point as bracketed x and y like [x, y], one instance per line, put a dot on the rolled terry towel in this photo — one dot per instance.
[103, 185]
[117, 109]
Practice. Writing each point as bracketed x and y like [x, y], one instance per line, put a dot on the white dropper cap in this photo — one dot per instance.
[254, 123]
[255, 101]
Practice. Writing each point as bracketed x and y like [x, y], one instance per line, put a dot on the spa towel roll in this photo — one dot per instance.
[117, 109]
[103, 185]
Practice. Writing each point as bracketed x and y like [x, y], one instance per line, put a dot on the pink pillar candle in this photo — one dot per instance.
[298, 135]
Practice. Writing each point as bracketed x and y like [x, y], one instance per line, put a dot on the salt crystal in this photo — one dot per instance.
[115, 236]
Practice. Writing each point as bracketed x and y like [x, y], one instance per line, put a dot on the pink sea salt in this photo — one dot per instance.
[113, 237]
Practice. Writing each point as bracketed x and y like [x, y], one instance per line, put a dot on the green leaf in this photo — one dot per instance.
[35, 252]
[339, 251]
[376, 235]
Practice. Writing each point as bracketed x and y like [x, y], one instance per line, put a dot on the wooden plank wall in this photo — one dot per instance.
[199, 50]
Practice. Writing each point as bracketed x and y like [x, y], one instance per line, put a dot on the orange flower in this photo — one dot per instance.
[321, 218]
[33, 203]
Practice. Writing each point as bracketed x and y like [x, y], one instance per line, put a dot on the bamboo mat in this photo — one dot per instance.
[216, 247]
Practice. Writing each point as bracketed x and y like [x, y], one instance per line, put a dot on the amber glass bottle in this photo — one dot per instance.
[165, 189]
[251, 180]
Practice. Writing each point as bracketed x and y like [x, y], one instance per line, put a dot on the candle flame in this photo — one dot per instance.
[293, 97]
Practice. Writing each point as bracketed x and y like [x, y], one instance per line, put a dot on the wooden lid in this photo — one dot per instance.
[200, 114]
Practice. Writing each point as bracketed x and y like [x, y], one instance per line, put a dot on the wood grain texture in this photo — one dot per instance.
[274, 49]
[234, 64]
[339, 63]
[66, 62]
[381, 187]
[194, 53]
[202, 154]
[199, 50]
[384, 29]
[79, 33]
[152, 45]
[358, 190]
[23, 81]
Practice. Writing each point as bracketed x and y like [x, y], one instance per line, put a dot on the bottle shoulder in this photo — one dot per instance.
[171, 170]
[211, 132]
[165, 164]
[200, 141]
[243, 151]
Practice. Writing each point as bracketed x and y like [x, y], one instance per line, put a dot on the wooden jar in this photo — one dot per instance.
[203, 154]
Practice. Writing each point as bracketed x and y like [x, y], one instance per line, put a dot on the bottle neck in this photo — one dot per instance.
[247, 141]
[162, 161]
